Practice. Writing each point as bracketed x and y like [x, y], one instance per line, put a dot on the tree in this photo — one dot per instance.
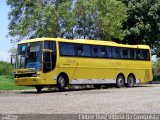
[100, 19]
[143, 24]
[93, 19]
[39, 18]
[112, 14]
[66, 19]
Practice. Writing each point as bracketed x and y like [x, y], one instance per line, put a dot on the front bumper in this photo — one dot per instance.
[28, 81]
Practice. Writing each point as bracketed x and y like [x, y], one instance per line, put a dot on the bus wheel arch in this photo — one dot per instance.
[131, 80]
[62, 81]
[120, 80]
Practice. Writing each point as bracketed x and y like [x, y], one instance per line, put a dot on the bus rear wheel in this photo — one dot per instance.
[61, 82]
[120, 81]
[130, 81]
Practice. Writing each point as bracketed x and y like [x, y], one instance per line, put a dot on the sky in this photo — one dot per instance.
[5, 44]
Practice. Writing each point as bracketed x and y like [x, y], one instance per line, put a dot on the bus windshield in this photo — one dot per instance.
[30, 55]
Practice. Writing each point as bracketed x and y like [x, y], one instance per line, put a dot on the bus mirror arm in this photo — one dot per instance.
[47, 50]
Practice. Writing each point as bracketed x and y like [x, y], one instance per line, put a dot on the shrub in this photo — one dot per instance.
[5, 68]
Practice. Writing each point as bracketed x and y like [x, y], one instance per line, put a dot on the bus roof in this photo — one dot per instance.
[84, 41]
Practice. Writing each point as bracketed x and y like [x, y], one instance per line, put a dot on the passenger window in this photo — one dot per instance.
[132, 53]
[140, 55]
[103, 52]
[146, 54]
[95, 51]
[67, 49]
[116, 52]
[79, 50]
[87, 50]
[125, 53]
[84, 50]
[108, 52]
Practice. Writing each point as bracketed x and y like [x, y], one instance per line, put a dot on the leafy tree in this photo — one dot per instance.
[84, 12]
[38, 18]
[112, 15]
[100, 19]
[66, 19]
[93, 19]
[143, 24]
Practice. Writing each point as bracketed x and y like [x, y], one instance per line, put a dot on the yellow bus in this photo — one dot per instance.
[60, 62]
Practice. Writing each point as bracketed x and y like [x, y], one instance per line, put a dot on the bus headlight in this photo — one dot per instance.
[35, 75]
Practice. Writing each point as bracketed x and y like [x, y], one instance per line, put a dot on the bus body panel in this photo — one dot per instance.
[90, 70]
[94, 69]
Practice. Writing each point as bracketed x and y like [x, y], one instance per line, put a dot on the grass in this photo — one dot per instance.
[7, 83]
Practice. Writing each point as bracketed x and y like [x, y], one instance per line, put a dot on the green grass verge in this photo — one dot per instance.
[7, 83]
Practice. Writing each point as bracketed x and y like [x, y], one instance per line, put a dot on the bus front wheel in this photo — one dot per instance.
[120, 81]
[39, 89]
[61, 82]
[130, 81]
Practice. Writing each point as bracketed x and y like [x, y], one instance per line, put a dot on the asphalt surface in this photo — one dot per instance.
[142, 99]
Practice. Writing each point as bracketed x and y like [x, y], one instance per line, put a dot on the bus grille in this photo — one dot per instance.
[24, 75]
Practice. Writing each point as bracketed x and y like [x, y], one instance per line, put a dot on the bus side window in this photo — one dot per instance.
[125, 53]
[108, 52]
[146, 54]
[87, 50]
[67, 49]
[79, 50]
[132, 54]
[83, 50]
[102, 52]
[95, 51]
[116, 52]
[140, 55]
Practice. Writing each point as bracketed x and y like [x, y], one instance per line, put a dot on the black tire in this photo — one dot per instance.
[39, 89]
[120, 81]
[61, 82]
[97, 86]
[130, 81]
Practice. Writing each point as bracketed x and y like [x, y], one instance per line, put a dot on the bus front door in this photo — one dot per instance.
[47, 62]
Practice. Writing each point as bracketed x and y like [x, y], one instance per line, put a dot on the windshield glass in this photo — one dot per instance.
[30, 55]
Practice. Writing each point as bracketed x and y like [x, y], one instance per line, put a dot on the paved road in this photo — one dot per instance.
[140, 99]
